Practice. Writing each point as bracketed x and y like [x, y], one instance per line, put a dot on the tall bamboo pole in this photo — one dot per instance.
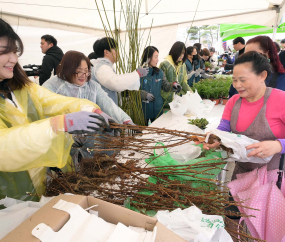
[127, 60]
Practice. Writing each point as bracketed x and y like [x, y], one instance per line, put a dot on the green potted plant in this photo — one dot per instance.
[216, 95]
[225, 94]
[207, 92]
[220, 62]
[207, 65]
[200, 123]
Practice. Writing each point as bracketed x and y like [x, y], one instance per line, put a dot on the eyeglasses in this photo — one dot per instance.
[83, 73]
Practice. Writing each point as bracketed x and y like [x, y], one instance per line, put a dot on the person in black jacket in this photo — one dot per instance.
[52, 58]
[239, 46]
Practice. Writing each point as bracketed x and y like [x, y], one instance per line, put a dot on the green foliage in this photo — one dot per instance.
[199, 122]
[214, 88]
[208, 64]
[196, 32]
[209, 32]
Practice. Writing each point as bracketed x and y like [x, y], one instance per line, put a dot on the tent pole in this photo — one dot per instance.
[275, 24]
[219, 40]
[277, 20]
[146, 7]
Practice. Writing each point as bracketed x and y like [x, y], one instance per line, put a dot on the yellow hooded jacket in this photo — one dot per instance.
[174, 73]
[28, 143]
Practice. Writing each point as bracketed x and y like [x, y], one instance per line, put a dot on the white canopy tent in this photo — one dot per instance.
[77, 24]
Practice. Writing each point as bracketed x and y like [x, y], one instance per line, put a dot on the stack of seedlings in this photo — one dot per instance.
[147, 189]
[143, 139]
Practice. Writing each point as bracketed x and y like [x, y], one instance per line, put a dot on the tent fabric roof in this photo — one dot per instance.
[83, 14]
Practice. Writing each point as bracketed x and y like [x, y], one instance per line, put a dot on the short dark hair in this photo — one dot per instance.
[105, 43]
[239, 40]
[49, 39]
[66, 69]
[277, 47]
[92, 55]
[190, 50]
[212, 49]
[205, 52]
[14, 43]
[176, 50]
[283, 41]
[259, 62]
[148, 53]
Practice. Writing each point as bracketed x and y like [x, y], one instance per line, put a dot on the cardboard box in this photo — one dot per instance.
[109, 212]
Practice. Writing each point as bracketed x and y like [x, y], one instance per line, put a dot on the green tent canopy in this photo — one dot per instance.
[231, 31]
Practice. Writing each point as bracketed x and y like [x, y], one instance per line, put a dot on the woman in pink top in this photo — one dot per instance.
[256, 111]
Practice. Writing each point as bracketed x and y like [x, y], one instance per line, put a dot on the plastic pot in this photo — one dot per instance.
[216, 100]
[225, 100]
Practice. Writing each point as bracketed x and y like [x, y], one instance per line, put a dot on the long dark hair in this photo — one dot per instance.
[267, 45]
[259, 62]
[199, 51]
[105, 43]
[14, 43]
[147, 54]
[190, 50]
[69, 63]
[176, 50]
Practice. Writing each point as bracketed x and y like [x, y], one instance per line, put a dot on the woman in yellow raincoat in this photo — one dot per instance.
[175, 71]
[35, 124]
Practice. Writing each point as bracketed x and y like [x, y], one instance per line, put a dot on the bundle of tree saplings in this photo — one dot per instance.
[144, 139]
[145, 188]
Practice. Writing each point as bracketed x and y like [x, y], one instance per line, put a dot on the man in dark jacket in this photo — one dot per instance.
[52, 58]
[239, 46]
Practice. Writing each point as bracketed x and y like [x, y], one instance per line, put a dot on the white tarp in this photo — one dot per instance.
[80, 24]
[164, 12]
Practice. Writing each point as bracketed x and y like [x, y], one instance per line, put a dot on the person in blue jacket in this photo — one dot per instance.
[265, 46]
[192, 69]
[152, 84]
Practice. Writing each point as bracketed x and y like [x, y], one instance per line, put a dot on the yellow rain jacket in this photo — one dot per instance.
[28, 143]
[174, 73]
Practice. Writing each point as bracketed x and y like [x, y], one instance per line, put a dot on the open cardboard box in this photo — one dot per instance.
[111, 213]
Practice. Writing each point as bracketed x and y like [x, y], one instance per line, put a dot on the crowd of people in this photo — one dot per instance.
[78, 95]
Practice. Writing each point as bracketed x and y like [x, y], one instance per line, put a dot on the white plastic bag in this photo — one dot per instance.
[238, 143]
[185, 152]
[179, 105]
[196, 105]
[194, 226]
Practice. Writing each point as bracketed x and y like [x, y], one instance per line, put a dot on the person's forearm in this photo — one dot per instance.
[224, 125]
[166, 85]
[282, 142]
[185, 87]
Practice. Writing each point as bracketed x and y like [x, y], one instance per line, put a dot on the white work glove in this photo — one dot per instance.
[197, 72]
[190, 74]
[150, 97]
[142, 71]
